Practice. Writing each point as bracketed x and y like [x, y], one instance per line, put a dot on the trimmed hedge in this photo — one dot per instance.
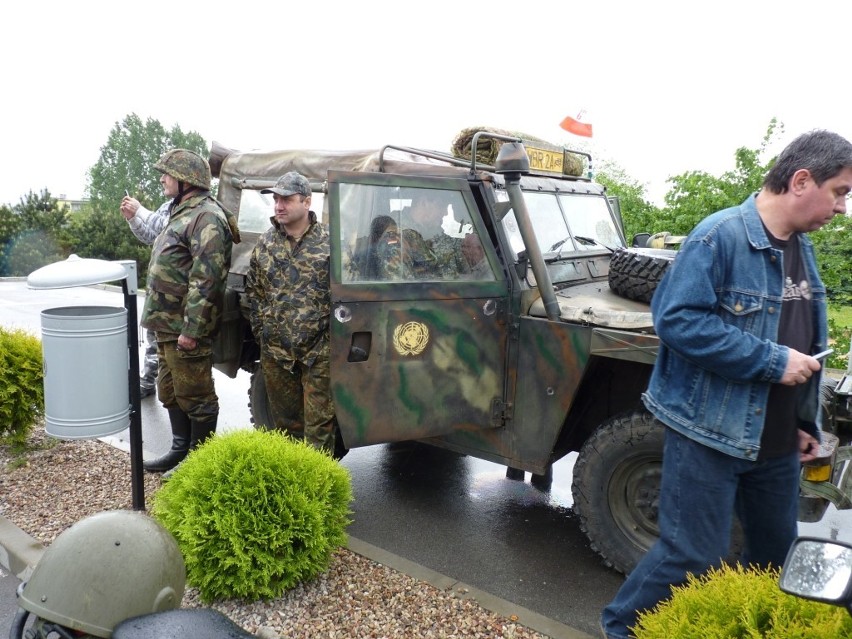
[735, 602]
[21, 385]
[255, 513]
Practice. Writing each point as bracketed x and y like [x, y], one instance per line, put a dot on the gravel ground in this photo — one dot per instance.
[59, 483]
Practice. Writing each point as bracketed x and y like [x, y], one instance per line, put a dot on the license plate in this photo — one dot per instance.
[545, 160]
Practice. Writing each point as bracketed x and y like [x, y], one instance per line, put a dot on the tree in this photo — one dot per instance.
[105, 235]
[833, 244]
[127, 162]
[696, 194]
[30, 234]
[10, 226]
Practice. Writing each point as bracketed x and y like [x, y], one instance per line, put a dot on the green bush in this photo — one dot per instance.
[735, 602]
[255, 513]
[21, 384]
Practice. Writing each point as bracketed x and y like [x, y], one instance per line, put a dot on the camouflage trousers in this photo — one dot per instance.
[185, 379]
[148, 377]
[300, 400]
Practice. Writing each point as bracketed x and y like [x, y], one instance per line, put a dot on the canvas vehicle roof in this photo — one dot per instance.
[314, 164]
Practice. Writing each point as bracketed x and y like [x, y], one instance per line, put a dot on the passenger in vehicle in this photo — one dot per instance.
[432, 253]
[369, 251]
[474, 255]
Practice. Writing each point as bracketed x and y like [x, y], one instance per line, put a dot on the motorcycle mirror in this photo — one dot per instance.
[819, 569]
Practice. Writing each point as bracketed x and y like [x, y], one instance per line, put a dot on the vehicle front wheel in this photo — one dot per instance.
[616, 487]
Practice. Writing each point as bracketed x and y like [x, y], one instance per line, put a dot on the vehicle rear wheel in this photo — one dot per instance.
[616, 487]
[634, 273]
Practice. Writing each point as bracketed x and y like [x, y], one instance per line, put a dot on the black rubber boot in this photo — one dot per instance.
[181, 430]
[201, 431]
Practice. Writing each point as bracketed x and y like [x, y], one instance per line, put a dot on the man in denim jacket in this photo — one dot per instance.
[739, 314]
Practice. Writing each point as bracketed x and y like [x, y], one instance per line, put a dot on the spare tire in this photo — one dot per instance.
[634, 273]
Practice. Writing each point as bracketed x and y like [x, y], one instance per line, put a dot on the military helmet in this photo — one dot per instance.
[185, 166]
[104, 569]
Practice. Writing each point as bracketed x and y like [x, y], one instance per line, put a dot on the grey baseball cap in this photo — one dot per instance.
[290, 184]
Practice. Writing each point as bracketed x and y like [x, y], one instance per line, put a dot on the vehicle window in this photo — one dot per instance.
[566, 222]
[256, 209]
[547, 222]
[590, 218]
[405, 234]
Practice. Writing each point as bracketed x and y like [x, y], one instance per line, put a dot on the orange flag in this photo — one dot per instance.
[573, 125]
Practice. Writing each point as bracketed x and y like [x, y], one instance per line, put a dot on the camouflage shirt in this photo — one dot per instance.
[189, 269]
[289, 293]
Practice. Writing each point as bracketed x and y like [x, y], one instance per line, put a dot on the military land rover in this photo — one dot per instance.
[512, 348]
[509, 346]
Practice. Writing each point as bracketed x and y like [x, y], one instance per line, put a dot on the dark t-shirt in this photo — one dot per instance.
[780, 433]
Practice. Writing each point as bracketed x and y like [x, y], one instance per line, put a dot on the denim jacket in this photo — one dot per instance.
[716, 313]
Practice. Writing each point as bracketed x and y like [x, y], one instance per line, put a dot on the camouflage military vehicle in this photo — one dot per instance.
[519, 358]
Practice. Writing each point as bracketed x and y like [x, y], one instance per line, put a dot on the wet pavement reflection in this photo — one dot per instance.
[462, 517]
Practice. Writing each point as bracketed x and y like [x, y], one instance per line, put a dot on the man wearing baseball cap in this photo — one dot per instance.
[289, 297]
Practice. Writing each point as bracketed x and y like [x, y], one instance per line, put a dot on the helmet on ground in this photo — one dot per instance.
[104, 569]
[185, 166]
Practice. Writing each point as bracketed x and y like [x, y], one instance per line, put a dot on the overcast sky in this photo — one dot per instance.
[667, 86]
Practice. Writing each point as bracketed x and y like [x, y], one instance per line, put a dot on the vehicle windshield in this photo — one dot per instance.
[565, 223]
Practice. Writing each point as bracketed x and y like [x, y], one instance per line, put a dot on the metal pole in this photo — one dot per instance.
[137, 481]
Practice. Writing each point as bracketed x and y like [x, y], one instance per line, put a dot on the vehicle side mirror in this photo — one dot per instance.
[819, 569]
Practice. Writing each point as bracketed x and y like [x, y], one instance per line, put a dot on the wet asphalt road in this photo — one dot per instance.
[462, 517]
[453, 514]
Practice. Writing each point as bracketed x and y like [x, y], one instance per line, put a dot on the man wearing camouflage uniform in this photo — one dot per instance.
[186, 287]
[146, 226]
[289, 298]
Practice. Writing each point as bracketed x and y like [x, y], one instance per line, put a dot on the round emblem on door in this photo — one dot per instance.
[410, 338]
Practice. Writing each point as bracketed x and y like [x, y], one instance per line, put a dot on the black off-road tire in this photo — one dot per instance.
[258, 400]
[261, 416]
[616, 490]
[616, 487]
[634, 273]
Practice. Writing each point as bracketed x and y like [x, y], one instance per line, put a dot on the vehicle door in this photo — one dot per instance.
[419, 315]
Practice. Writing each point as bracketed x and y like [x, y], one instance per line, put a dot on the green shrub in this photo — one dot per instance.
[735, 602]
[255, 513]
[21, 384]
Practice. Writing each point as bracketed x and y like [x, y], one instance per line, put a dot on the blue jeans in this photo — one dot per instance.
[700, 490]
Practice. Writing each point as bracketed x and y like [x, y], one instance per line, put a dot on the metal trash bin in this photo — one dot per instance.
[86, 365]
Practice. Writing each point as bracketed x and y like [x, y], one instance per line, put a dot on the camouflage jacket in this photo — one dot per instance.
[289, 293]
[414, 258]
[189, 269]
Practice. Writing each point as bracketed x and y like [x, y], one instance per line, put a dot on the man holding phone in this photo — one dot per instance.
[739, 314]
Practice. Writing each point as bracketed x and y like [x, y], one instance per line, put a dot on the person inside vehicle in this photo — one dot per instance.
[371, 252]
[474, 255]
[429, 253]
